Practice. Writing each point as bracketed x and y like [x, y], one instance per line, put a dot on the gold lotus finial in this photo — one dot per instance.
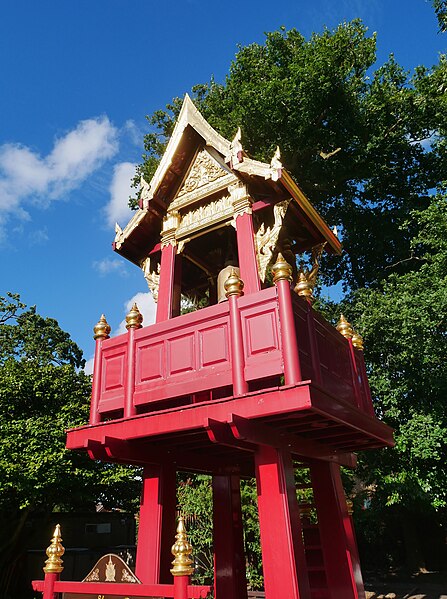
[234, 284]
[357, 341]
[54, 552]
[344, 327]
[350, 507]
[101, 329]
[281, 269]
[134, 319]
[181, 550]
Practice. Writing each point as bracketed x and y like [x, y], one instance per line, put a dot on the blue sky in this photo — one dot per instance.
[78, 78]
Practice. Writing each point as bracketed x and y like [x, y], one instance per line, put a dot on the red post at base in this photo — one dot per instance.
[53, 566]
[233, 290]
[102, 331]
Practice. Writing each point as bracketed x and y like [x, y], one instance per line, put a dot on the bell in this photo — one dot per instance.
[221, 278]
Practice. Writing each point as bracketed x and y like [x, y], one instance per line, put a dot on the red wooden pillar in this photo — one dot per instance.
[168, 303]
[102, 331]
[133, 321]
[233, 290]
[157, 524]
[284, 562]
[282, 275]
[338, 544]
[248, 264]
[229, 558]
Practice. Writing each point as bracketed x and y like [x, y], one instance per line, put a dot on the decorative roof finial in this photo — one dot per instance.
[181, 550]
[234, 284]
[307, 279]
[357, 341]
[281, 269]
[236, 150]
[134, 318]
[345, 328]
[101, 329]
[54, 552]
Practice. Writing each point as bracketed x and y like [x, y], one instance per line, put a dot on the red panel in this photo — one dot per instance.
[114, 372]
[181, 354]
[261, 332]
[150, 362]
[213, 346]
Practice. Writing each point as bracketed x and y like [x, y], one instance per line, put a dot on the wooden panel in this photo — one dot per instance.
[214, 345]
[114, 371]
[113, 376]
[261, 332]
[150, 362]
[181, 353]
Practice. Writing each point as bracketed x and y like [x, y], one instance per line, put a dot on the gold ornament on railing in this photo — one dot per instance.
[234, 284]
[101, 329]
[350, 507]
[307, 279]
[345, 328]
[357, 341]
[281, 270]
[181, 550]
[55, 551]
[134, 318]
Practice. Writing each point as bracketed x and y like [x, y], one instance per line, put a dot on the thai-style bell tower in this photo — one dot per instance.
[255, 383]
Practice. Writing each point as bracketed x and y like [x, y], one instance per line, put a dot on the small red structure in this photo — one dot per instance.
[246, 386]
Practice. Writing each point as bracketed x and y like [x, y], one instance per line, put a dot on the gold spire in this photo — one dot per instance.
[344, 327]
[181, 550]
[54, 552]
[357, 341]
[233, 285]
[134, 318]
[304, 287]
[281, 270]
[101, 329]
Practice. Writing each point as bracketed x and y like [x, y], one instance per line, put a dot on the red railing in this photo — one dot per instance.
[198, 355]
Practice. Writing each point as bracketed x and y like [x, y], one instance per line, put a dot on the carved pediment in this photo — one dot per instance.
[203, 170]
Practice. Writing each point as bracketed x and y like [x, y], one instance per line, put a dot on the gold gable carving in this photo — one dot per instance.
[203, 171]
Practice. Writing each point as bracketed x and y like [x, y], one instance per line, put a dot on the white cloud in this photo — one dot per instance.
[26, 176]
[88, 368]
[146, 306]
[117, 210]
[135, 134]
[108, 265]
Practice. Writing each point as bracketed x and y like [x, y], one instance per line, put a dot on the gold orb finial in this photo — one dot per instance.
[344, 327]
[134, 319]
[357, 341]
[281, 270]
[350, 507]
[54, 552]
[181, 550]
[101, 329]
[234, 284]
[304, 287]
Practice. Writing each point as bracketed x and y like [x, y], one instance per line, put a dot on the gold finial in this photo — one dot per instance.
[101, 329]
[233, 285]
[345, 328]
[350, 507]
[134, 318]
[357, 341]
[54, 552]
[281, 269]
[304, 287]
[307, 279]
[181, 550]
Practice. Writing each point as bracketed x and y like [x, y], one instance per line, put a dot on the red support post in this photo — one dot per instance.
[48, 585]
[284, 562]
[133, 321]
[157, 524]
[169, 272]
[282, 274]
[248, 264]
[315, 356]
[181, 587]
[102, 331]
[233, 290]
[339, 549]
[228, 540]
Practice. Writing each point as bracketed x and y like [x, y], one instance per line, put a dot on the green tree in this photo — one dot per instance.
[440, 7]
[42, 393]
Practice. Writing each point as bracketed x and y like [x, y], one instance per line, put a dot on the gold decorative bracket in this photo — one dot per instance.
[266, 239]
[152, 277]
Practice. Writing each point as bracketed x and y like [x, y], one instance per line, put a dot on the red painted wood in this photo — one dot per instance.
[240, 385]
[48, 585]
[165, 301]
[355, 377]
[129, 408]
[122, 589]
[181, 587]
[332, 513]
[228, 541]
[157, 524]
[246, 249]
[315, 356]
[292, 370]
[366, 392]
[96, 385]
[283, 559]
